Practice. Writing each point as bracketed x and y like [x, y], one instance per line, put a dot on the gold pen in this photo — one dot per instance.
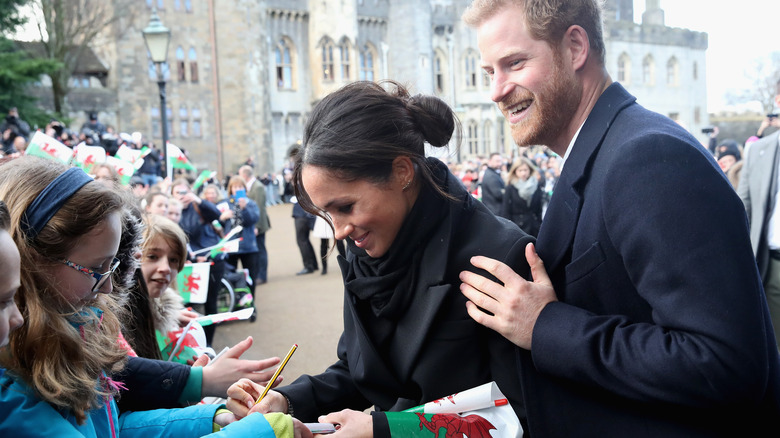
[276, 374]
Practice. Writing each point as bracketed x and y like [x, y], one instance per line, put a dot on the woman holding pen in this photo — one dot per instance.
[410, 227]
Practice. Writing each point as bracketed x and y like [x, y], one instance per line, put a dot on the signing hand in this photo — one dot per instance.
[516, 305]
[350, 424]
[230, 368]
[243, 394]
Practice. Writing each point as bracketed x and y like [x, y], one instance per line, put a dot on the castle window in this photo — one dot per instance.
[470, 70]
[196, 126]
[472, 139]
[488, 136]
[624, 69]
[181, 68]
[327, 60]
[367, 56]
[648, 70]
[193, 65]
[344, 48]
[284, 69]
[673, 72]
[184, 121]
[439, 72]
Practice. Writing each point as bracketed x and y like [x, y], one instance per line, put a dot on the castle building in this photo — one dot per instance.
[243, 75]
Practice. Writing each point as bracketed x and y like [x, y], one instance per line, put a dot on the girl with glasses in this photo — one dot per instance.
[67, 229]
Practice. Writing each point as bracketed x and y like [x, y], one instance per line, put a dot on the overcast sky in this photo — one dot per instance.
[739, 32]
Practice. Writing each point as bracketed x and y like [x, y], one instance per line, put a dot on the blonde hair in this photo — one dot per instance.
[170, 232]
[511, 177]
[60, 363]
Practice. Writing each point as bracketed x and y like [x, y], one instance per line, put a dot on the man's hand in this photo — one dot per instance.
[510, 309]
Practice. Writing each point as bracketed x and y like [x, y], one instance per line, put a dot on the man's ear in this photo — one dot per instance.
[576, 46]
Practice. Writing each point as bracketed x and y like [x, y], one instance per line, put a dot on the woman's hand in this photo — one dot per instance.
[243, 394]
[230, 368]
[350, 424]
[227, 214]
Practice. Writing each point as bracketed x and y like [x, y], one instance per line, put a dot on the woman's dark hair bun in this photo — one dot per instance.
[433, 117]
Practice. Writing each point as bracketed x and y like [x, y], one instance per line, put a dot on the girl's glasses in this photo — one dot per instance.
[100, 279]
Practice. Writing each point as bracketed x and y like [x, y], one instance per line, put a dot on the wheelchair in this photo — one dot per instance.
[234, 293]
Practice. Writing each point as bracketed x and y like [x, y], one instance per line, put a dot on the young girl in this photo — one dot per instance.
[163, 254]
[67, 229]
[10, 318]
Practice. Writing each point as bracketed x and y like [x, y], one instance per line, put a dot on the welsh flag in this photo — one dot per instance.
[128, 154]
[88, 156]
[124, 168]
[177, 158]
[218, 318]
[228, 247]
[193, 282]
[41, 145]
[481, 412]
[131, 155]
[206, 174]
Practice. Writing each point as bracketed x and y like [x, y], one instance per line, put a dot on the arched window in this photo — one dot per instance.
[367, 64]
[673, 72]
[344, 49]
[472, 138]
[470, 69]
[176, 5]
[188, 5]
[154, 113]
[488, 136]
[196, 126]
[181, 67]
[648, 70]
[184, 121]
[440, 72]
[328, 74]
[193, 65]
[624, 69]
[501, 136]
[284, 64]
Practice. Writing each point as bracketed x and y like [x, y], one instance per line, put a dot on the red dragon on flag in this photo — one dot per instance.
[471, 426]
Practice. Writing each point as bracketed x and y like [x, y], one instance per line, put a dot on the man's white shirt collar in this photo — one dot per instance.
[571, 145]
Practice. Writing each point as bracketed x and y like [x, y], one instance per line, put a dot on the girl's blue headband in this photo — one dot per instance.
[51, 199]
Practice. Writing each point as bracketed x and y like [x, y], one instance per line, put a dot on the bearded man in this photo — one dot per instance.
[646, 315]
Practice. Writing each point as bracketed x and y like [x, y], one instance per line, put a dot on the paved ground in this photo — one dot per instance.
[305, 309]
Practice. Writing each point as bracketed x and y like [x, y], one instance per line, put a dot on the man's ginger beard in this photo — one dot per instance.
[554, 107]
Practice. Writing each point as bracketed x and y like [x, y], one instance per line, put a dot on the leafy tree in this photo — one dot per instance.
[10, 17]
[18, 70]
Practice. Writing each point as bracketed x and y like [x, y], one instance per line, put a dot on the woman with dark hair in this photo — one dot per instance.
[410, 227]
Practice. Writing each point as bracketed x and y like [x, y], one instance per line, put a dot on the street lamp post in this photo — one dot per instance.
[157, 37]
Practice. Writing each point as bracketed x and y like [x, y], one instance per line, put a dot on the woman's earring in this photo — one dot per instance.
[408, 183]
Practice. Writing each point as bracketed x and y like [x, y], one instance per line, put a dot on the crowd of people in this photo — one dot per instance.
[608, 283]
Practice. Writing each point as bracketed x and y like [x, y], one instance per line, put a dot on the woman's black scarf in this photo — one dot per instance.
[384, 287]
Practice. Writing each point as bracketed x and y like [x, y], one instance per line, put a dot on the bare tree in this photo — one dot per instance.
[67, 29]
[764, 74]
